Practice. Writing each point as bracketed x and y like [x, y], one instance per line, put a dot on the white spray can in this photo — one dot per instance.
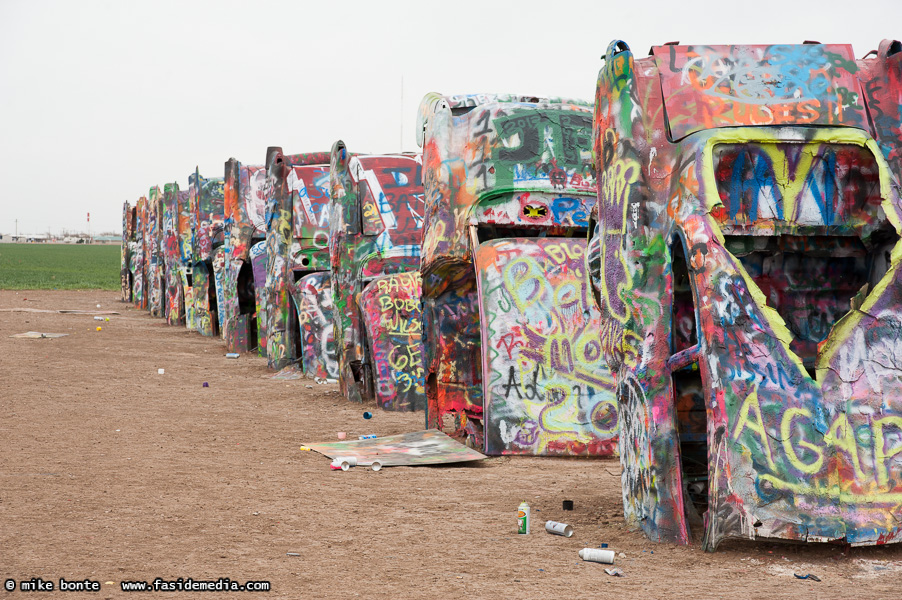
[523, 518]
[597, 555]
[343, 462]
[558, 528]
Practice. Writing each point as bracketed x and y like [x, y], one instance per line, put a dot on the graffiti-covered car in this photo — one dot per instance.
[745, 259]
[127, 251]
[206, 198]
[174, 302]
[245, 190]
[156, 283]
[137, 259]
[376, 235]
[297, 305]
[513, 354]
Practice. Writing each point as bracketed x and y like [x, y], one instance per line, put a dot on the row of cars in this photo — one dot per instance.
[700, 270]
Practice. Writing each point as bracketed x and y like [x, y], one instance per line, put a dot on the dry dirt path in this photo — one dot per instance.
[112, 472]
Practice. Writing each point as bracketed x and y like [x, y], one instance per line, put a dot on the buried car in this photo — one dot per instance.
[245, 192]
[376, 235]
[513, 355]
[746, 262]
[296, 305]
[206, 198]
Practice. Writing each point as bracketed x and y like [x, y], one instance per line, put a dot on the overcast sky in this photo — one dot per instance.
[100, 100]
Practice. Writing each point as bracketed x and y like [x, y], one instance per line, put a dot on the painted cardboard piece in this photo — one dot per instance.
[418, 448]
[746, 265]
[377, 220]
[513, 364]
[296, 244]
[245, 190]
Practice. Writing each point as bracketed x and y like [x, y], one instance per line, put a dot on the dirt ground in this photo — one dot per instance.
[112, 472]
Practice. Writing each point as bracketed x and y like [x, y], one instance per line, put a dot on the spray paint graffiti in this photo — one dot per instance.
[377, 220]
[391, 315]
[174, 302]
[296, 243]
[746, 278]
[126, 252]
[185, 230]
[246, 189]
[154, 248]
[137, 263]
[547, 388]
[499, 171]
[207, 197]
[313, 298]
[258, 261]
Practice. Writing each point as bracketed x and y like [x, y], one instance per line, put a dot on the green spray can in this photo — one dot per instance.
[523, 518]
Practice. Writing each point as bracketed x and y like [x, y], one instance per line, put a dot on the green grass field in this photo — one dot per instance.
[59, 266]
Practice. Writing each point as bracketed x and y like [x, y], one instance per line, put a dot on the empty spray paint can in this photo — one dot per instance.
[343, 462]
[523, 518]
[597, 555]
[558, 528]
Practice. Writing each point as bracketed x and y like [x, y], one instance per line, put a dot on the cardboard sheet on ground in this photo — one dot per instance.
[36, 335]
[289, 372]
[430, 447]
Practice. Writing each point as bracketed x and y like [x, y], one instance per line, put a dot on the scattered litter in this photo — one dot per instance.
[367, 415]
[343, 462]
[342, 435]
[604, 544]
[615, 572]
[308, 386]
[98, 306]
[808, 576]
[37, 335]
[621, 555]
[292, 554]
[370, 436]
[289, 372]
[232, 355]
[559, 528]
[109, 583]
[567, 505]
[306, 449]
[429, 447]
[256, 514]
[324, 381]
[206, 384]
[597, 555]
[99, 319]
[99, 328]
[159, 371]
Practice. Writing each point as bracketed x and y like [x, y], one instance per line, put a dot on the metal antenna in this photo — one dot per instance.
[401, 140]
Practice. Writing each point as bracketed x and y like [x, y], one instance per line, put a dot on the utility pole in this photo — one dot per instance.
[17, 228]
[401, 147]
